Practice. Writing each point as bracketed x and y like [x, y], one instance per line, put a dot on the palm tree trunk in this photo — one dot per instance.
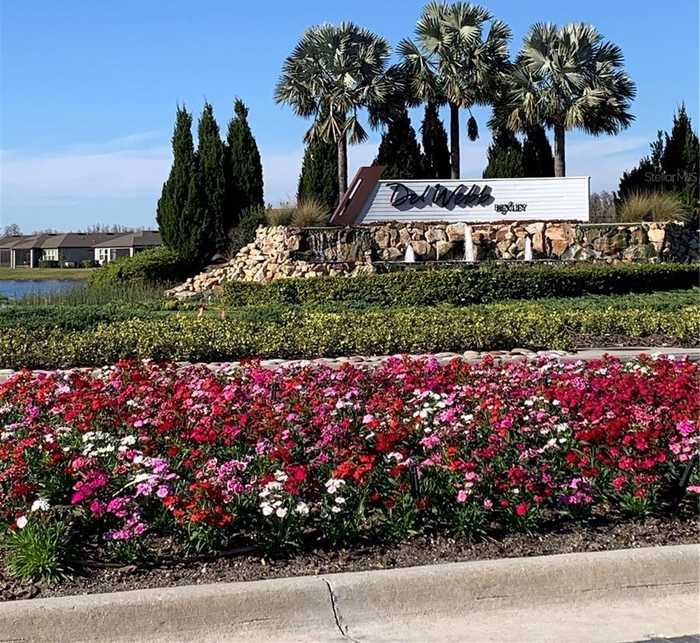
[559, 155]
[342, 165]
[454, 141]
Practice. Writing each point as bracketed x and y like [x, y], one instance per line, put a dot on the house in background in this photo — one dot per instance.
[125, 245]
[73, 249]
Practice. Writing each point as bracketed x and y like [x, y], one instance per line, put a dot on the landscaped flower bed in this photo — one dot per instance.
[292, 458]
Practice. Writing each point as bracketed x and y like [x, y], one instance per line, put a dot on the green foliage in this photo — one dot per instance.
[287, 332]
[153, 266]
[672, 166]
[399, 150]
[182, 216]
[464, 286]
[434, 140]
[244, 176]
[37, 552]
[314, 83]
[210, 152]
[505, 156]
[319, 174]
[460, 53]
[537, 153]
[567, 78]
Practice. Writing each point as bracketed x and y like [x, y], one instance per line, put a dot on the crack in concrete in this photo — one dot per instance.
[337, 616]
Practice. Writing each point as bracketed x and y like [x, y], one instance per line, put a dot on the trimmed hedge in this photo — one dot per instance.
[153, 266]
[307, 334]
[463, 286]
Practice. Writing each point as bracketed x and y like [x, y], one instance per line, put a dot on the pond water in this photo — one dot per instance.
[18, 288]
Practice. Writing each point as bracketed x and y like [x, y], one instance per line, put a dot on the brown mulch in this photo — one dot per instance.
[422, 550]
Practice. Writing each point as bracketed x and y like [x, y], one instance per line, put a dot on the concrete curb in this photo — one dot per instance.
[344, 606]
[517, 354]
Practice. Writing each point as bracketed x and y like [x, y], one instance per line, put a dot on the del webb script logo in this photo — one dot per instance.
[403, 197]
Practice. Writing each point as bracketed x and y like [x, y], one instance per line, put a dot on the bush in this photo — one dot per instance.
[653, 206]
[466, 285]
[300, 333]
[48, 263]
[160, 266]
[89, 263]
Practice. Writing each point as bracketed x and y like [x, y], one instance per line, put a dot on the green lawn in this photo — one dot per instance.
[25, 274]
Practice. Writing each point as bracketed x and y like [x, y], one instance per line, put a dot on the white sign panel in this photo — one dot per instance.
[478, 201]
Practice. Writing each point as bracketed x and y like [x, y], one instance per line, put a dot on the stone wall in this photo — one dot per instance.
[276, 253]
[281, 252]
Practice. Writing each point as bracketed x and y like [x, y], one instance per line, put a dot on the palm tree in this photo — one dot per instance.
[333, 72]
[567, 78]
[452, 62]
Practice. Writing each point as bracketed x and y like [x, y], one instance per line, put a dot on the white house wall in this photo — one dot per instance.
[524, 199]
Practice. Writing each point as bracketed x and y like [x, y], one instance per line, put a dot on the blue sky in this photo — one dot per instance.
[88, 91]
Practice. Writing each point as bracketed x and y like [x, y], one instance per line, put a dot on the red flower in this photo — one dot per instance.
[521, 509]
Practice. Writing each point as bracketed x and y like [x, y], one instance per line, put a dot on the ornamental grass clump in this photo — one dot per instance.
[36, 548]
[141, 453]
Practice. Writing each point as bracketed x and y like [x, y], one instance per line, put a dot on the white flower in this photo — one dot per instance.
[22, 522]
[128, 440]
[280, 476]
[40, 504]
[336, 509]
[340, 500]
[266, 509]
[281, 512]
[302, 508]
[333, 484]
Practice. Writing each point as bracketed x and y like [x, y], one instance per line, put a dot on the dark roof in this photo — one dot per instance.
[139, 239]
[29, 242]
[11, 240]
[73, 240]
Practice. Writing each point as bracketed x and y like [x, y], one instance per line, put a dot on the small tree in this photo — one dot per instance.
[399, 150]
[210, 152]
[505, 156]
[11, 230]
[537, 153]
[244, 175]
[319, 174]
[435, 149]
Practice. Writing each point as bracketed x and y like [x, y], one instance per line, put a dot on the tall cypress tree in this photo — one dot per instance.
[538, 159]
[399, 150]
[244, 176]
[174, 197]
[435, 149]
[319, 174]
[197, 226]
[210, 152]
[505, 156]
